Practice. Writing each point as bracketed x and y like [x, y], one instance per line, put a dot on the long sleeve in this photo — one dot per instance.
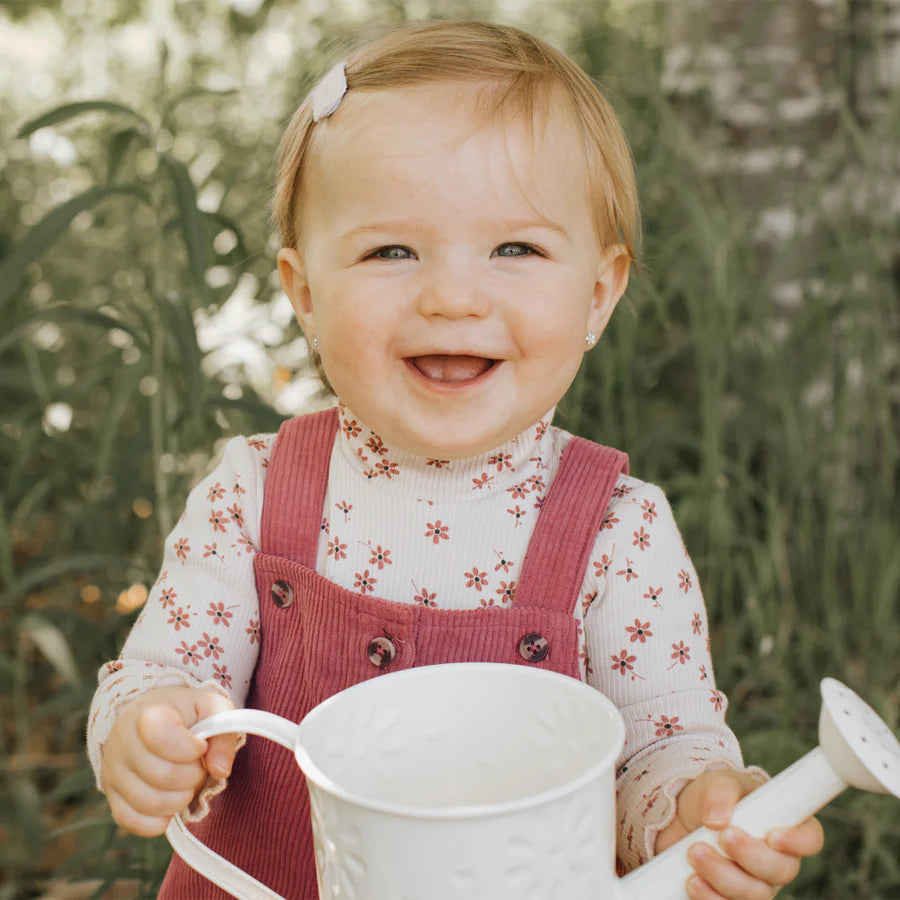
[450, 535]
[200, 625]
[647, 649]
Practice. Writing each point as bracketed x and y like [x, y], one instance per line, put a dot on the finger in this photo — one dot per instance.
[724, 877]
[151, 801]
[220, 754]
[204, 704]
[698, 889]
[131, 820]
[805, 839]
[708, 800]
[163, 775]
[757, 858]
[673, 833]
[163, 731]
[221, 748]
[721, 791]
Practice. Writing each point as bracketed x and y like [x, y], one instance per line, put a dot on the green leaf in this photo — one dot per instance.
[42, 574]
[69, 110]
[86, 780]
[6, 554]
[123, 396]
[46, 232]
[264, 418]
[54, 646]
[190, 219]
[180, 322]
[240, 248]
[63, 312]
[117, 148]
[31, 499]
[192, 93]
[26, 803]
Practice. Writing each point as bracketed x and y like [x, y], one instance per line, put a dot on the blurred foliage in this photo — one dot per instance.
[132, 219]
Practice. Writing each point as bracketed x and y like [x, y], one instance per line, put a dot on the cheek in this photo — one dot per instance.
[558, 305]
[336, 316]
[356, 305]
[354, 344]
[560, 346]
[556, 328]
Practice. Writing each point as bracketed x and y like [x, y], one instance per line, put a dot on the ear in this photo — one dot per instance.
[612, 279]
[292, 272]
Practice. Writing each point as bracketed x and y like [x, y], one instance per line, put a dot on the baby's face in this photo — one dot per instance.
[450, 270]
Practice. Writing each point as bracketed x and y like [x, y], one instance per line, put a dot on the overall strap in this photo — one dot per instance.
[296, 482]
[568, 524]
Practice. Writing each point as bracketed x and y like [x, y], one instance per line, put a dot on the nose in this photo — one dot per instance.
[453, 291]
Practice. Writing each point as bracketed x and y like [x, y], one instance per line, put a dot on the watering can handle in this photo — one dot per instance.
[214, 867]
[193, 851]
[790, 797]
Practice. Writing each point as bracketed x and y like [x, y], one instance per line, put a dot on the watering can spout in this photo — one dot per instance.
[856, 749]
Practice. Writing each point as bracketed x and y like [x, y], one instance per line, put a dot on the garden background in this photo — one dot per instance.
[753, 370]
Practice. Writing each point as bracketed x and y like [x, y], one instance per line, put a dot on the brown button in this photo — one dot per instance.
[381, 651]
[533, 647]
[282, 594]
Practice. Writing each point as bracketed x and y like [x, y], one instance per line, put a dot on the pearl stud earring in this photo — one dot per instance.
[315, 343]
[590, 339]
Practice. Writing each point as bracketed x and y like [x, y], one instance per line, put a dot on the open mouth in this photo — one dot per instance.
[450, 369]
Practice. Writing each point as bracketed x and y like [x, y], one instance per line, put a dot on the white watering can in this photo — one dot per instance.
[491, 781]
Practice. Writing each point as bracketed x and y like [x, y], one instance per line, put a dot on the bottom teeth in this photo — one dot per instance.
[452, 369]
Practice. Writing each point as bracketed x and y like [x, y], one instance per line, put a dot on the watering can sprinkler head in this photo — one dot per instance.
[857, 744]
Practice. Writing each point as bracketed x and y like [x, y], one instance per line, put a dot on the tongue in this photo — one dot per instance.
[451, 369]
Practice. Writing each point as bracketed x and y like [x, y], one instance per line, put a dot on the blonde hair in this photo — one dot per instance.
[521, 68]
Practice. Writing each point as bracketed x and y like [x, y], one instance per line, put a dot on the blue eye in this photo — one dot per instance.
[514, 250]
[392, 252]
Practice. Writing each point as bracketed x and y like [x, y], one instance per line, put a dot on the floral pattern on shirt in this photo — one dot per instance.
[449, 535]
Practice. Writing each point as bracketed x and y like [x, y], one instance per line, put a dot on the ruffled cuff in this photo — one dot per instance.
[199, 807]
[127, 681]
[127, 684]
[648, 788]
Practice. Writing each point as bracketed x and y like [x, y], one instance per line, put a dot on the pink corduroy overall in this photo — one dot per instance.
[318, 638]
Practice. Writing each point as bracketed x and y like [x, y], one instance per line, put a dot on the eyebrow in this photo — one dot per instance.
[525, 224]
[417, 225]
[380, 227]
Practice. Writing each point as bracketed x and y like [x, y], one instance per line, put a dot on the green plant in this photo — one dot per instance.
[774, 431]
[104, 399]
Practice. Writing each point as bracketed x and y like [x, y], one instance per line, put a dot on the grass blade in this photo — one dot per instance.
[192, 93]
[46, 232]
[46, 572]
[70, 110]
[6, 553]
[181, 324]
[53, 645]
[190, 219]
[63, 312]
[117, 148]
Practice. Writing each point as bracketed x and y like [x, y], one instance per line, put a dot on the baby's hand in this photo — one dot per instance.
[152, 765]
[758, 867]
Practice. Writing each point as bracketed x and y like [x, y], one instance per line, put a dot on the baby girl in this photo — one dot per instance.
[458, 217]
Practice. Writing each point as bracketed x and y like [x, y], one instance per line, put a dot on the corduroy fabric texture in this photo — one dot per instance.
[318, 645]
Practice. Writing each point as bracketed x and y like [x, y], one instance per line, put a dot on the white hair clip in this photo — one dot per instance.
[326, 96]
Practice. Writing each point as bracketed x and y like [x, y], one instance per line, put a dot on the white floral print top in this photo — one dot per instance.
[453, 535]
